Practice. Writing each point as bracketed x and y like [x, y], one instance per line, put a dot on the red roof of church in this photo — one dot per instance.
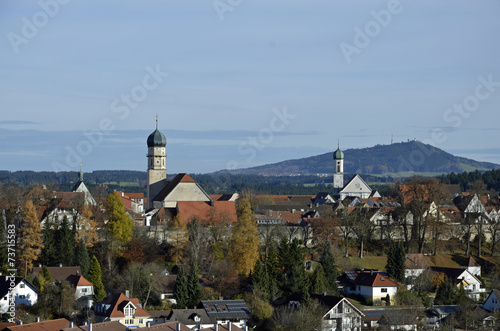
[200, 210]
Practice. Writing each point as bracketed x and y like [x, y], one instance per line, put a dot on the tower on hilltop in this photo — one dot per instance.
[157, 165]
[338, 175]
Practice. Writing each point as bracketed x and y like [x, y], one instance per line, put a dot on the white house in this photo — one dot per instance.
[372, 285]
[492, 301]
[463, 277]
[356, 187]
[17, 290]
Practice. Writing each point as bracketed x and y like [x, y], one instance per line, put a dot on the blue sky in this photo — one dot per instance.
[241, 83]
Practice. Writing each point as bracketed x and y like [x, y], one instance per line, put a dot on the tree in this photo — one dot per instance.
[330, 269]
[179, 237]
[325, 229]
[318, 280]
[120, 224]
[361, 226]
[396, 259]
[30, 239]
[260, 277]
[445, 294]
[86, 227]
[49, 251]
[181, 289]
[193, 285]
[65, 243]
[95, 277]
[245, 239]
[82, 258]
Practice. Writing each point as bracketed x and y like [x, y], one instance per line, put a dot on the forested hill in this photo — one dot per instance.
[398, 159]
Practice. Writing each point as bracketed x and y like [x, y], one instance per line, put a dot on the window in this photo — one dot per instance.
[22, 285]
[141, 321]
[22, 296]
[84, 290]
[383, 290]
[128, 311]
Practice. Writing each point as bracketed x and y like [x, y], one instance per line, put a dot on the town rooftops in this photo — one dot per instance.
[169, 326]
[104, 326]
[368, 278]
[118, 301]
[59, 273]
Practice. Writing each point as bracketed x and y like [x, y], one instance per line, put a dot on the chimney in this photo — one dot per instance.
[90, 327]
[19, 322]
[127, 293]
[71, 324]
[60, 265]
[178, 326]
[37, 319]
[228, 326]
[216, 327]
[221, 298]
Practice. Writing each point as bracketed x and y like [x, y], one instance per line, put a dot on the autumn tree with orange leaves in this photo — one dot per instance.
[30, 239]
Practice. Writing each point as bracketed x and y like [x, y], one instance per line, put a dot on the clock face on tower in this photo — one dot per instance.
[157, 161]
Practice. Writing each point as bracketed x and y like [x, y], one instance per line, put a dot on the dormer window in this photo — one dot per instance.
[128, 311]
[197, 318]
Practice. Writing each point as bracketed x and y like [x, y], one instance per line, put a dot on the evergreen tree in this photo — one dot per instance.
[82, 258]
[181, 289]
[193, 285]
[120, 224]
[245, 238]
[445, 294]
[260, 277]
[330, 269]
[30, 239]
[396, 259]
[65, 243]
[95, 277]
[318, 280]
[49, 250]
[3, 245]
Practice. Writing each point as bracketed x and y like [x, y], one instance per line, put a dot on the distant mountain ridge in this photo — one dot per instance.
[394, 159]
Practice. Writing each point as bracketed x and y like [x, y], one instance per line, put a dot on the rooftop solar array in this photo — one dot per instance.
[226, 309]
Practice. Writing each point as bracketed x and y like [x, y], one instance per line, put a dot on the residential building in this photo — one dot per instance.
[119, 307]
[492, 302]
[224, 311]
[104, 326]
[397, 320]
[462, 277]
[51, 325]
[373, 286]
[17, 290]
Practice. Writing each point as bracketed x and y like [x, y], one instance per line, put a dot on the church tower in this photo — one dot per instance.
[338, 175]
[157, 166]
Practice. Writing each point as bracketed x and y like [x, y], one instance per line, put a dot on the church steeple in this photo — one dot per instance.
[157, 167]
[338, 175]
[80, 174]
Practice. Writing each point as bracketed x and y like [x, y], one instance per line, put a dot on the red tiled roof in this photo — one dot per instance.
[51, 325]
[170, 326]
[105, 326]
[200, 209]
[223, 327]
[372, 279]
[416, 261]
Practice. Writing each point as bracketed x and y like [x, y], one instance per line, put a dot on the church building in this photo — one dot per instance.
[355, 187]
[180, 196]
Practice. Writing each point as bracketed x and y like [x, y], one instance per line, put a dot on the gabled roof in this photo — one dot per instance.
[352, 180]
[201, 209]
[51, 325]
[59, 273]
[5, 285]
[397, 317]
[78, 281]
[472, 263]
[180, 178]
[416, 261]
[367, 278]
[453, 273]
[331, 301]
[118, 301]
[495, 293]
[188, 316]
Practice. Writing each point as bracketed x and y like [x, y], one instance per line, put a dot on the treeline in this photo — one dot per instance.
[466, 179]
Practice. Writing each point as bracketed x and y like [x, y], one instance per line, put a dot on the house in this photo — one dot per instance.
[492, 301]
[18, 291]
[462, 277]
[192, 318]
[415, 265]
[340, 313]
[373, 286]
[119, 307]
[223, 327]
[224, 311]
[356, 187]
[397, 320]
[51, 325]
[84, 290]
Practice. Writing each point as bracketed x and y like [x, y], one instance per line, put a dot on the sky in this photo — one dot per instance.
[240, 83]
